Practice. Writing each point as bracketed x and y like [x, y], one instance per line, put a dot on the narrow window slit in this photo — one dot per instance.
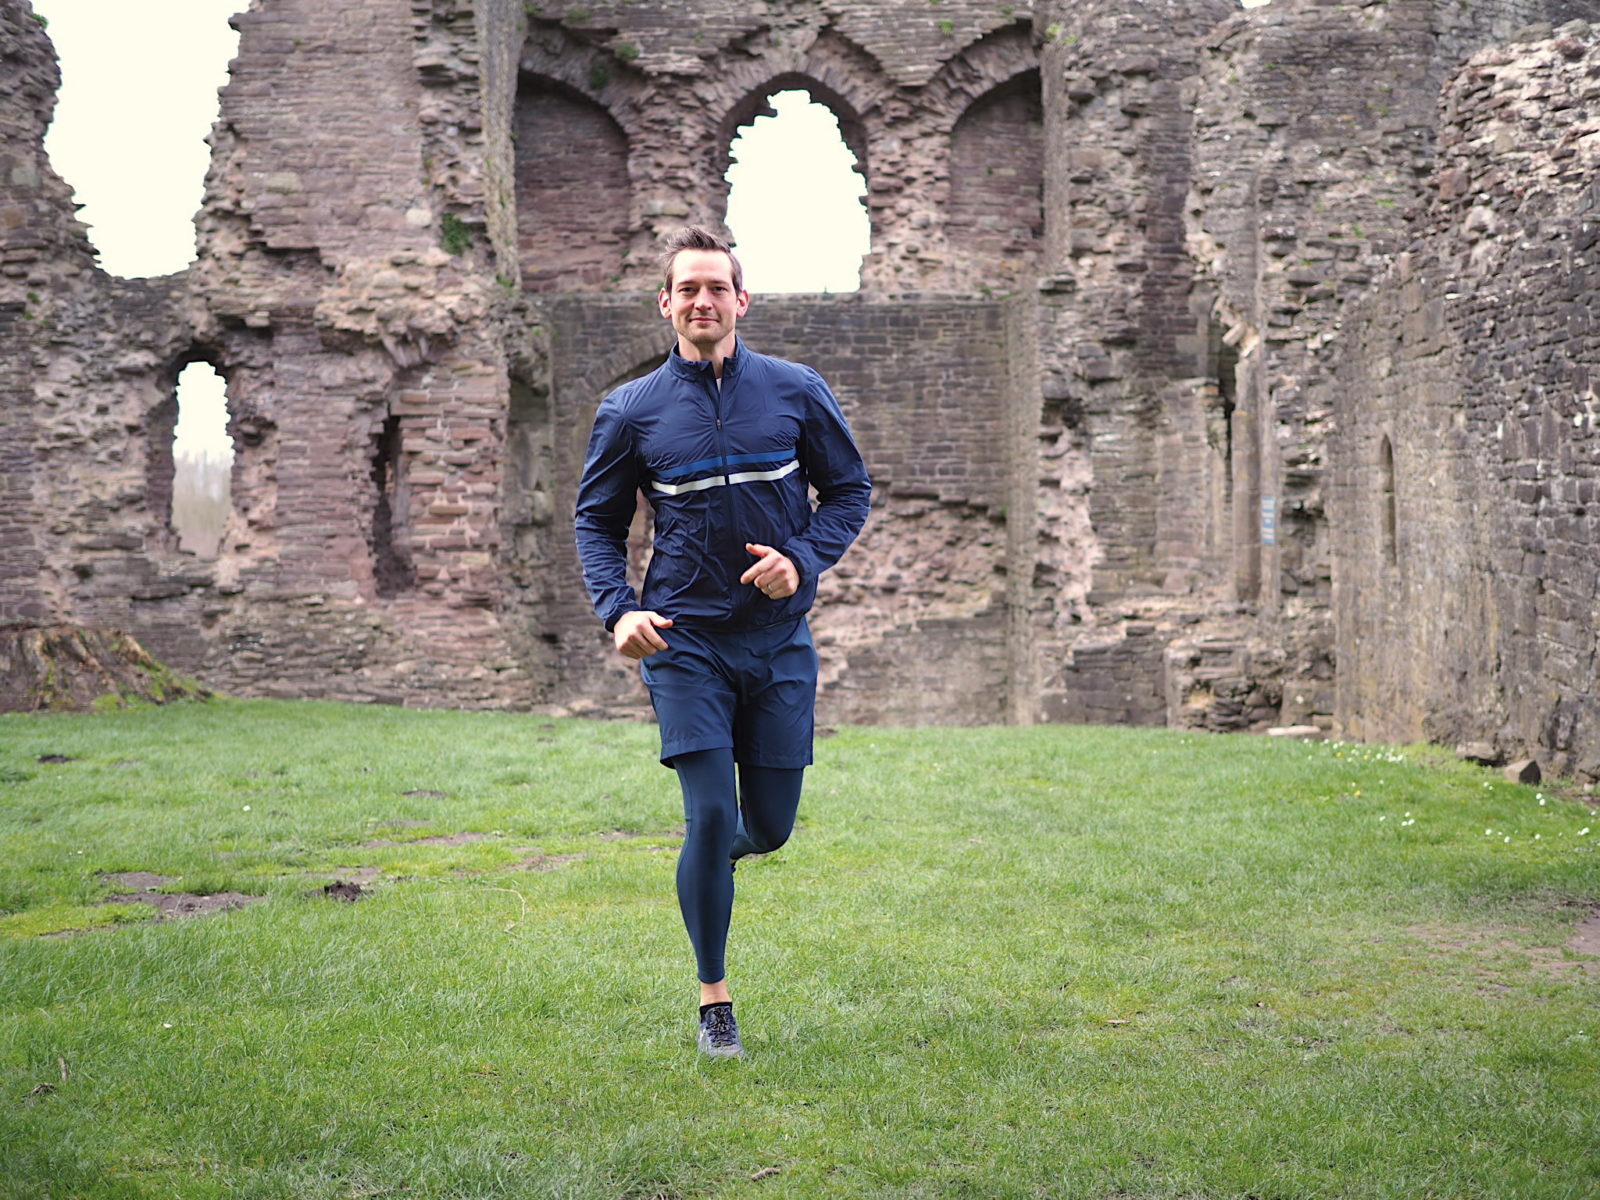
[202, 461]
[392, 569]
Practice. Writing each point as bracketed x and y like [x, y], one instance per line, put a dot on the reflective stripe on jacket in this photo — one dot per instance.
[721, 467]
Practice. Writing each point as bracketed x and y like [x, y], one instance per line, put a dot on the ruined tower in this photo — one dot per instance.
[1216, 367]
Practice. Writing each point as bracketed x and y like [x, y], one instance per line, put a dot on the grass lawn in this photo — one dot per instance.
[1050, 962]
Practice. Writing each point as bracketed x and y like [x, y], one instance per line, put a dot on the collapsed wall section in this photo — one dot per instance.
[1467, 474]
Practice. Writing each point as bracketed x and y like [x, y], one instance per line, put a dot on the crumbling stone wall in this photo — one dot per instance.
[1125, 360]
[1467, 473]
[900, 78]
[912, 623]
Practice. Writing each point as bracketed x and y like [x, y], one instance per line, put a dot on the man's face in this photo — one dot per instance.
[703, 305]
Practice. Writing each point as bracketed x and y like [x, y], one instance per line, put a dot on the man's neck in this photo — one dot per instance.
[712, 354]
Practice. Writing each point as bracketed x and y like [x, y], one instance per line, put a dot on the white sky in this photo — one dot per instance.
[138, 95]
[793, 172]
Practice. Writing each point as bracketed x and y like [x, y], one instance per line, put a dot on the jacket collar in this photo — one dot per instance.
[683, 368]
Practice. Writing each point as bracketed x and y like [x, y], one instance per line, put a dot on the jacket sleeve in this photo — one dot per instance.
[835, 468]
[606, 503]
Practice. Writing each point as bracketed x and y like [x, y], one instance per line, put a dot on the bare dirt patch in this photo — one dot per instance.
[357, 875]
[546, 862]
[184, 904]
[1586, 939]
[344, 889]
[443, 839]
[1489, 944]
[143, 881]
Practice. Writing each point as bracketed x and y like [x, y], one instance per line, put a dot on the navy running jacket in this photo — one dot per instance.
[721, 468]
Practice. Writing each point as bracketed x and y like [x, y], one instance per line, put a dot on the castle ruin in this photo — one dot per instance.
[1216, 368]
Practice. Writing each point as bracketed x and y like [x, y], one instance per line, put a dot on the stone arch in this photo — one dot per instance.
[755, 103]
[572, 188]
[628, 360]
[984, 65]
[834, 71]
[995, 216]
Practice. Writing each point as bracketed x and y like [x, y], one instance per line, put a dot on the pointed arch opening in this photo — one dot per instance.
[193, 458]
[572, 189]
[796, 189]
[996, 215]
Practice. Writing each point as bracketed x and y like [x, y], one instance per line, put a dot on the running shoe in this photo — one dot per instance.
[719, 1033]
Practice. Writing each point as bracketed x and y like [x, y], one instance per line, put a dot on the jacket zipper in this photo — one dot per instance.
[727, 488]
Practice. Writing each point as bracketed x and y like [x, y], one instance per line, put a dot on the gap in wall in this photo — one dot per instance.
[202, 461]
[796, 201]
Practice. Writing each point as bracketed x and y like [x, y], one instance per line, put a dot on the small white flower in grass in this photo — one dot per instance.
[247, 808]
[1508, 837]
[166, 1024]
[1538, 837]
[1584, 831]
[1488, 833]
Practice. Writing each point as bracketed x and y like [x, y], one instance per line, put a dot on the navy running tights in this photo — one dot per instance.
[721, 824]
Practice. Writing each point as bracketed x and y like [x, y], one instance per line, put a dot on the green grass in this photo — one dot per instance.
[1051, 962]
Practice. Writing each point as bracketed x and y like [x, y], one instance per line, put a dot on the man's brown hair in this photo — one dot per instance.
[697, 237]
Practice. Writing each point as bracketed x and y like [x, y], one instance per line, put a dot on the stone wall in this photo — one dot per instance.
[900, 77]
[1206, 366]
[1467, 473]
[911, 624]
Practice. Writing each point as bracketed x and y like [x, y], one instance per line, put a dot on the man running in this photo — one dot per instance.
[725, 443]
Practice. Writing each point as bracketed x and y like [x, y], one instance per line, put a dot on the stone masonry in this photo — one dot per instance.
[1217, 368]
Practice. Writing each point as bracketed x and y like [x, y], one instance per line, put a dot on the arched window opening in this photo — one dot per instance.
[130, 140]
[202, 461]
[996, 216]
[795, 203]
[1391, 547]
[392, 570]
[572, 189]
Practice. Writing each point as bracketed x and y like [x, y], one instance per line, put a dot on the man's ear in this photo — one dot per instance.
[664, 304]
[744, 304]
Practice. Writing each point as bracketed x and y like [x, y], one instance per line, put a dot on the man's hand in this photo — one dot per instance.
[635, 633]
[774, 574]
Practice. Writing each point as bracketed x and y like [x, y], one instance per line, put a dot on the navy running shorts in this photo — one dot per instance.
[753, 690]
